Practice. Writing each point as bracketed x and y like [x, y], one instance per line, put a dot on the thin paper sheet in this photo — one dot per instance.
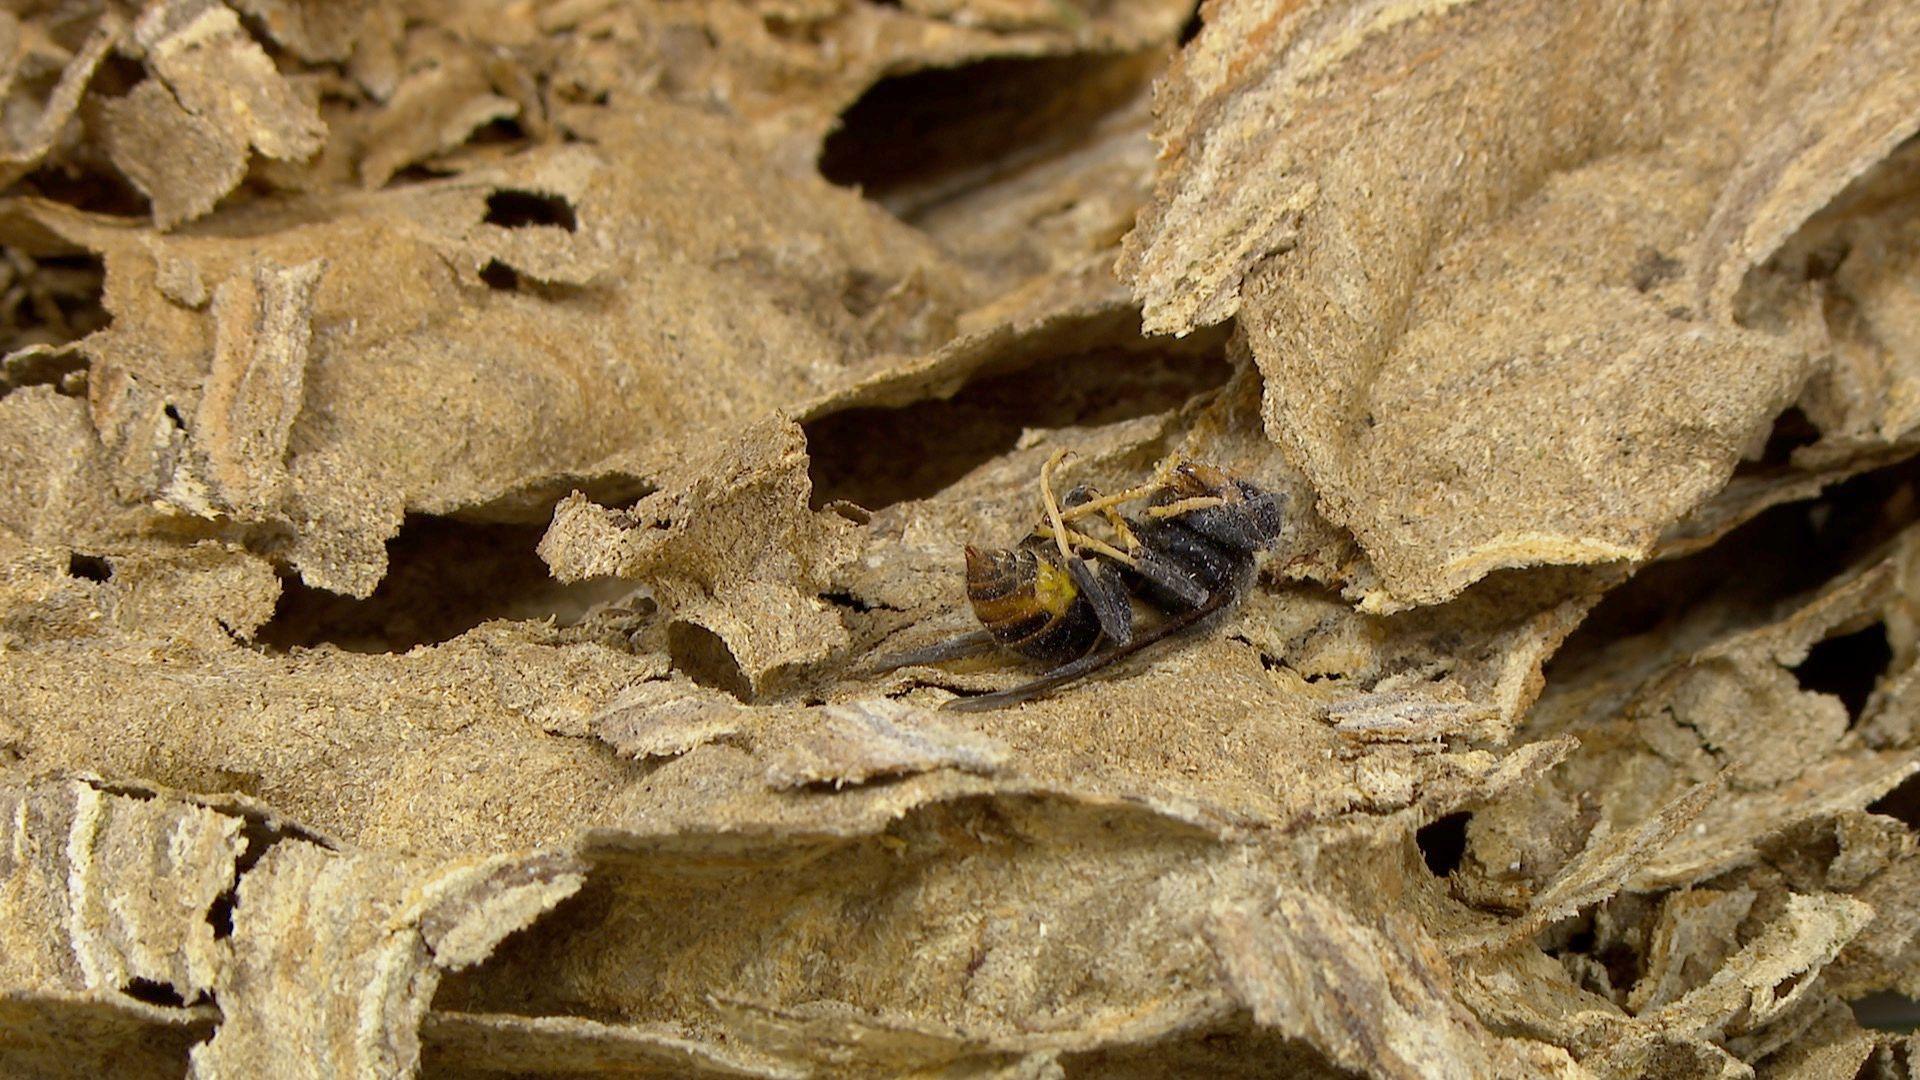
[459, 464]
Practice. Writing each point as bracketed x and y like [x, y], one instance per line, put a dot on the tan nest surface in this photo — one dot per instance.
[458, 461]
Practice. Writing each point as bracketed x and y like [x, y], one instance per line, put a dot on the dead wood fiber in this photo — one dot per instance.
[458, 461]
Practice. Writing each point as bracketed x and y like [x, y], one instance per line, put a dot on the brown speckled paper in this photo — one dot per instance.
[460, 461]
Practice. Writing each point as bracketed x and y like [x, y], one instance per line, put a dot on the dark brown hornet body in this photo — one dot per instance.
[1065, 595]
[1211, 547]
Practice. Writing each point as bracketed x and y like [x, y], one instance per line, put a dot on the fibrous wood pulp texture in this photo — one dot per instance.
[458, 462]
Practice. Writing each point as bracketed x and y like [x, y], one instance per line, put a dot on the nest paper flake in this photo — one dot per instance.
[464, 466]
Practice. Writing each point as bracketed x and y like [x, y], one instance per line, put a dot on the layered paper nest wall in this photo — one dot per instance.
[457, 460]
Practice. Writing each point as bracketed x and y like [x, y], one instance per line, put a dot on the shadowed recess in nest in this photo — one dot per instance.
[1902, 802]
[705, 658]
[513, 209]
[153, 993]
[1501, 296]
[1240, 1050]
[876, 457]
[1791, 430]
[1786, 551]
[913, 138]
[1887, 1011]
[1444, 843]
[82, 184]
[1847, 666]
[444, 577]
[1622, 962]
[673, 912]
[48, 300]
[96, 191]
[89, 567]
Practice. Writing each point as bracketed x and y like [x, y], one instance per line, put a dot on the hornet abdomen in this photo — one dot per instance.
[1030, 605]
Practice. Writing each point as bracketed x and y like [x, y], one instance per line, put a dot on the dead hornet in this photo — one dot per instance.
[1065, 596]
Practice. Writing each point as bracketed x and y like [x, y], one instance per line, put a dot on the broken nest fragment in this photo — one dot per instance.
[460, 461]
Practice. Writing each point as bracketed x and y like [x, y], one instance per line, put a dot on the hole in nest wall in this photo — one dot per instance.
[500, 131]
[1791, 430]
[220, 913]
[154, 993]
[922, 128]
[89, 567]
[420, 172]
[444, 577]
[876, 457]
[1443, 843]
[511, 208]
[1847, 666]
[500, 277]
